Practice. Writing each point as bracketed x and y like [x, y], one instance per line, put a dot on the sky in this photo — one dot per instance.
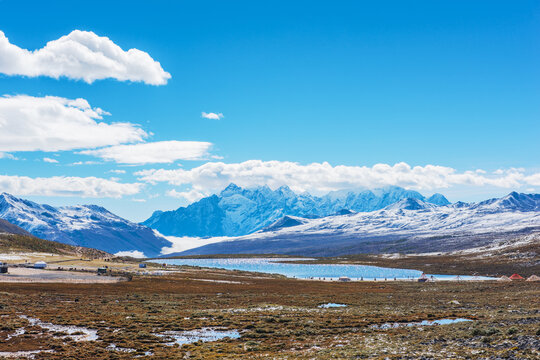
[139, 106]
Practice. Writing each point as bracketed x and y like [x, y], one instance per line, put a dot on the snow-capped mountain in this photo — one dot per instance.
[409, 225]
[83, 225]
[237, 211]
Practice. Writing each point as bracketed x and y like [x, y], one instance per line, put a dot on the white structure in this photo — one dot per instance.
[40, 265]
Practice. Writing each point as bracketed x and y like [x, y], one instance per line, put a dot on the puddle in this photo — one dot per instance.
[396, 325]
[74, 332]
[262, 308]
[113, 347]
[204, 335]
[331, 305]
[17, 332]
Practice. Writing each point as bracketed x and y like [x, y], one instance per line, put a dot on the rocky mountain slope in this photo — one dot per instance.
[410, 225]
[84, 225]
[237, 211]
[8, 228]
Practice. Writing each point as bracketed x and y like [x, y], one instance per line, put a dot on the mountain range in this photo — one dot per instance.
[262, 220]
[410, 225]
[83, 225]
[237, 211]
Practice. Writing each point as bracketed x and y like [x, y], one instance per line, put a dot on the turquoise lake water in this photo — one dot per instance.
[308, 271]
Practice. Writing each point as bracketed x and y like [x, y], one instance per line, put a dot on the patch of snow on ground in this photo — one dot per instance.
[183, 243]
[132, 253]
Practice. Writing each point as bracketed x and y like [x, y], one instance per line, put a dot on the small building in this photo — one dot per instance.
[142, 266]
[3, 268]
[344, 279]
[102, 271]
[40, 265]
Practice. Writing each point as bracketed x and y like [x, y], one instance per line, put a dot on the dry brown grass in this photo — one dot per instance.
[277, 317]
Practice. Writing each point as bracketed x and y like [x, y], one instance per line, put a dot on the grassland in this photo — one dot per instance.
[276, 318]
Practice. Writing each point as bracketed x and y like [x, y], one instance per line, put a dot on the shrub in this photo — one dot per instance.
[511, 331]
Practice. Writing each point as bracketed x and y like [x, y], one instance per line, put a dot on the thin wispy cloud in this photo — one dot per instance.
[52, 123]
[50, 160]
[212, 116]
[81, 55]
[190, 195]
[153, 152]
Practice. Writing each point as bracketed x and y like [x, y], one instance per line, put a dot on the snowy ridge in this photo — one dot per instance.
[410, 225]
[237, 211]
[82, 225]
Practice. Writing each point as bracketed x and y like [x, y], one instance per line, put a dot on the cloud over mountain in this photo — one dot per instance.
[323, 177]
[81, 55]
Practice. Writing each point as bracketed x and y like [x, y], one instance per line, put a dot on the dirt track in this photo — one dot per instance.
[28, 275]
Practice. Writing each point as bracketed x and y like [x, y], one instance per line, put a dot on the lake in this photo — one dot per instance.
[283, 266]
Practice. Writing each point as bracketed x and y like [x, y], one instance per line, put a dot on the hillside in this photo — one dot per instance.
[24, 243]
[9, 228]
[82, 225]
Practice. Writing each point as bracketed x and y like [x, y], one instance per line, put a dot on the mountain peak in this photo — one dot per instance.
[231, 189]
[284, 189]
[285, 222]
[438, 199]
[409, 204]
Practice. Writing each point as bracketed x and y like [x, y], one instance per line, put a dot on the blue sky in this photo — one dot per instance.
[452, 84]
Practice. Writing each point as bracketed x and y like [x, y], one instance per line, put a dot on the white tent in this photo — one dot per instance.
[40, 265]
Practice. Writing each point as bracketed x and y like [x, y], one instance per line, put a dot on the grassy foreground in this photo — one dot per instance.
[276, 318]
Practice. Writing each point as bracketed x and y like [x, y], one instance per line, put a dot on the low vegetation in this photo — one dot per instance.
[23, 243]
[276, 318]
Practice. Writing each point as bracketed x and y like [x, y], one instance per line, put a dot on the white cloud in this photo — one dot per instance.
[85, 163]
[320, 178]
[67, 186]
[132, 253]
[190, 195]
[4, 155]
[49, 160]
[212, 116]
[117, 171]
[81, 55]
[153, 152]
[51, 123]
[533, 179]
[139, 200]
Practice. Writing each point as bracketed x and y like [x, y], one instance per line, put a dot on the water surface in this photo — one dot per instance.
[387, 326]
[204, 334]
[283, 266]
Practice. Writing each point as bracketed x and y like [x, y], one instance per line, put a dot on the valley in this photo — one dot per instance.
[274, 317]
